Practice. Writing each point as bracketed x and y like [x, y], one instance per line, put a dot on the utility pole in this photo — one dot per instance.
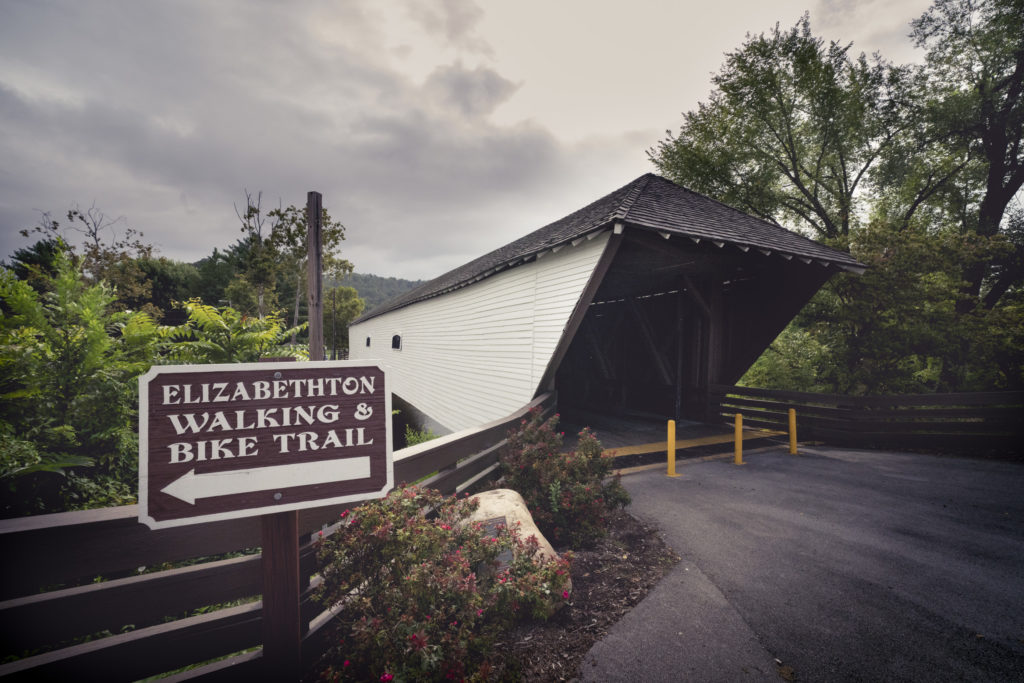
[314, 211]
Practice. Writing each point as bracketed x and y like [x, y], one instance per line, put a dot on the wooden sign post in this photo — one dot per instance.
[245, 439]
[282, 585]
[282, 591]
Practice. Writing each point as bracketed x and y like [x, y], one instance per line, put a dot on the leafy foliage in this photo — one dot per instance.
[37, 264]
[172, 281]
[974, 104]
[414, 437]
[897, 328]
[68, 364]
[274, 254]
[290, 227]
[342, 305]
[914, 170]
[793, 361]
[107, 256]
[223, 335]
[567, 493]
[790, 131]
[420, 592]
[68, 369]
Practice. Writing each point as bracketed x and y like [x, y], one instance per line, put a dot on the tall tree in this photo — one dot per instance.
[260, 262]
[275, 252]
[913, 169]
[37, 264]
[288, 235]
[342, 305]
[791, 130]
[173, 282]
[975, 76]
[108, 254]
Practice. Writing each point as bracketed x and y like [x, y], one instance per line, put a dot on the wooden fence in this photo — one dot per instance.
[976, 422]
[92, 594]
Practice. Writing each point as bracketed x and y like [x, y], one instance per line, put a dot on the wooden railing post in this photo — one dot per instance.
[282, 628]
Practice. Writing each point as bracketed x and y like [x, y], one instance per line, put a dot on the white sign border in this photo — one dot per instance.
[156, 370]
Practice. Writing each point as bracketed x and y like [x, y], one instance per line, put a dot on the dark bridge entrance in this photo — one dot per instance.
[672, 316]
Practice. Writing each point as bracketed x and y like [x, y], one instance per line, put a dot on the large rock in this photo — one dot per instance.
[505, 506]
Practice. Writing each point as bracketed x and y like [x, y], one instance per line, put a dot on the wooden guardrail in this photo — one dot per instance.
[949, 422]
[91, 595]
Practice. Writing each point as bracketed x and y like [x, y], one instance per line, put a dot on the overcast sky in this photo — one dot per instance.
[435, 129]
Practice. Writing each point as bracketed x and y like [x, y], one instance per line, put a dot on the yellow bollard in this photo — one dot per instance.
[792, 431]
[672, 449]
[739, 439]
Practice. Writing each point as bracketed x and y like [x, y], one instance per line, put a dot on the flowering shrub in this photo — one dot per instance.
[422, 598]
[566, 492]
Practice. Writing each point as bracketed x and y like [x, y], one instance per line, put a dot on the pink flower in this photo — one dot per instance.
[347, 663]
[418, 640]
[386, 677]
[479, 612]
[344, 513]
[565, 595]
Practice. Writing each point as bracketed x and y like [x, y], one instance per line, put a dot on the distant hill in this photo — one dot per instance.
[375, 290]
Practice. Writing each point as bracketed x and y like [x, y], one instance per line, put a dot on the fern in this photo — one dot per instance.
[224, 335]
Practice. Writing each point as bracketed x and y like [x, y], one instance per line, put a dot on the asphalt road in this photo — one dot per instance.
[834, 565]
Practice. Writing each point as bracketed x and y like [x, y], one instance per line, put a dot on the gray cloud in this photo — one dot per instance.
[164, 113]
[880, 26]
[475, 92]
[455, 20]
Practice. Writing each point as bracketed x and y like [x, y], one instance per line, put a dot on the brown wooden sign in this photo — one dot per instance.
[227, 441]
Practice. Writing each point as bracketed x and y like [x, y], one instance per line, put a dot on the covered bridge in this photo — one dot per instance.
[635, 303]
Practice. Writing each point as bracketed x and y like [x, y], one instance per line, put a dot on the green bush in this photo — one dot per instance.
[69, 364]
[68, 392]
[423, 597]
[225, 335]
[414, 437]
[566, 492]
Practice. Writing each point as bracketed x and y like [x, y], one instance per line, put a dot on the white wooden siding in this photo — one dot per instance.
[478, 353]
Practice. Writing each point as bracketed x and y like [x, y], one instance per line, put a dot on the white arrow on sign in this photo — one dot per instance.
[190, 485]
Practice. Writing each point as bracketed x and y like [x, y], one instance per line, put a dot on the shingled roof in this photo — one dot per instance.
[648, 203]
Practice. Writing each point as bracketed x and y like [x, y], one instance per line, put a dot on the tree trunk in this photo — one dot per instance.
[990, 216]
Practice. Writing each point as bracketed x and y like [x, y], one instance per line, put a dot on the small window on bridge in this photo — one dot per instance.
[367, 342]
[396, 342]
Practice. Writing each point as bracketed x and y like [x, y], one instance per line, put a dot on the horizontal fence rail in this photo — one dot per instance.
[980, 421]
[92, 595]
